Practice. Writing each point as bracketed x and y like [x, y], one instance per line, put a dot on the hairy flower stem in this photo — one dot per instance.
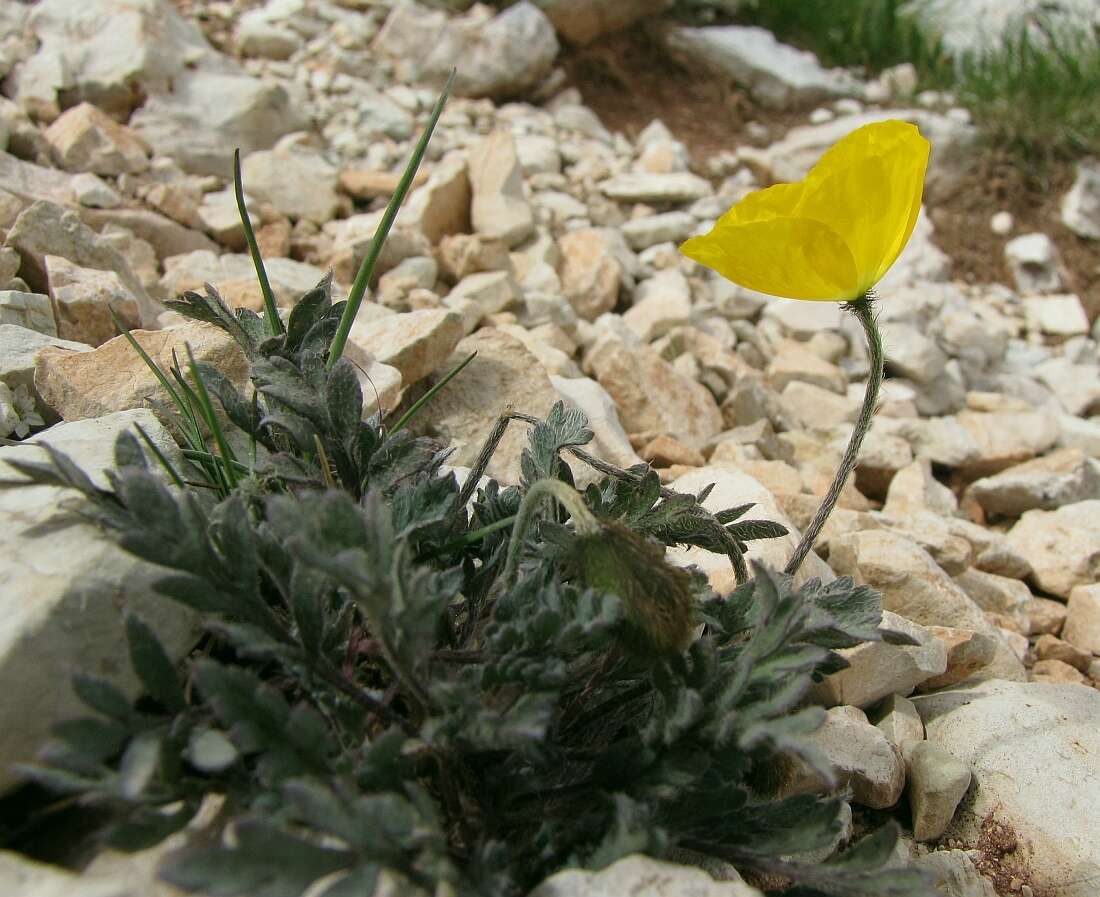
[862, 308]
[568, 497]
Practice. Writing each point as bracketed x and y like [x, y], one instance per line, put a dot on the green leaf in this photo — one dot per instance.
[102, 696]
[153, 666]
[248, 867]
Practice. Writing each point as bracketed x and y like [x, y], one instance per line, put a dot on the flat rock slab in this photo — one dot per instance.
[66, 591]
[1034, 749]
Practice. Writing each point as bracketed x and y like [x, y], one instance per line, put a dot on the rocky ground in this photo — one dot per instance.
[546, 240]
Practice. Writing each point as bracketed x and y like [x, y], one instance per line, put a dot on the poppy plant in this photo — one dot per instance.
[830, 237]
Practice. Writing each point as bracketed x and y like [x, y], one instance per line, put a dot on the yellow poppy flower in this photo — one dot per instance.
[835, 234]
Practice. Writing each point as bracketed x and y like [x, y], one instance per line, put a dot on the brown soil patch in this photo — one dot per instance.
[1034, 198]
[1001, 861]
[629, 79]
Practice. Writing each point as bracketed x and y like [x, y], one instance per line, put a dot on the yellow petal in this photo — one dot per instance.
[868, 188]
[833, 235]
[795, 258]
[779, 201]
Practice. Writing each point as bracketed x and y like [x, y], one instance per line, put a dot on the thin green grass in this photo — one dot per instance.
[1039, 98]
[1036, 96]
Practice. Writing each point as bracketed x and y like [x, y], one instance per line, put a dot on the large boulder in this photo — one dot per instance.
[66, 594]
[1034, 749]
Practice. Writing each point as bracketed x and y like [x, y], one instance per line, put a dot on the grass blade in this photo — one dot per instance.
[159, 455]
[366, 269]
[274, 322]
[430, 394]
[227, 457]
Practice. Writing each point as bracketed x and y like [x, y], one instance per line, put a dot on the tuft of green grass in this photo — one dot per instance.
[1039, 98]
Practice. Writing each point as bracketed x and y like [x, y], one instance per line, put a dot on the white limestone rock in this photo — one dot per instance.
[499, 207]
[30, 310]
[641, 876]
[208, 113]
[295, 178]
[777, 75]
[63, 618]
[1033, 260]
[1062, 546]
[878, 670]
[1081, 205]
[937, 782]
[1034, 749]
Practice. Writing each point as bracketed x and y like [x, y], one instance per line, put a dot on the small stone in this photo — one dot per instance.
[84, 138]
[218, 216]
[1081, 205]
[660, 304]
[861, 758]
[664, 451]
[1062, 546]
[777, 75]
[1082, 626]
[998, 594]
[1060, 315]
[504, 374]
[794, 361]
[1002, 223]
[911, 583]
[899, 721]
[610, 441]
[1045, 615]
[967, 653]
[83, 299]
[416, 343]
[30, 310]
[656, 189]
[499, 207]
[483, 294]
[812, 406]
[1050, 647]
[295, 178]
[937, 783]
[1004, 439]
[877, 669]
[592, 271]
[1060, 478]
[461, 255]
[1056, 671]
[641, 876]
[652, 396]
[93, 192]
[113, 377]
[914, 488]
[369, 184]
[670, 227]
[1033, 261]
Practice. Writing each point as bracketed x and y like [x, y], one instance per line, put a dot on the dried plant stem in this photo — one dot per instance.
[862, 308]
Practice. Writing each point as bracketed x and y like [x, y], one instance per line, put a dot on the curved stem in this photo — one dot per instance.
[862, 309]
[568, 497]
